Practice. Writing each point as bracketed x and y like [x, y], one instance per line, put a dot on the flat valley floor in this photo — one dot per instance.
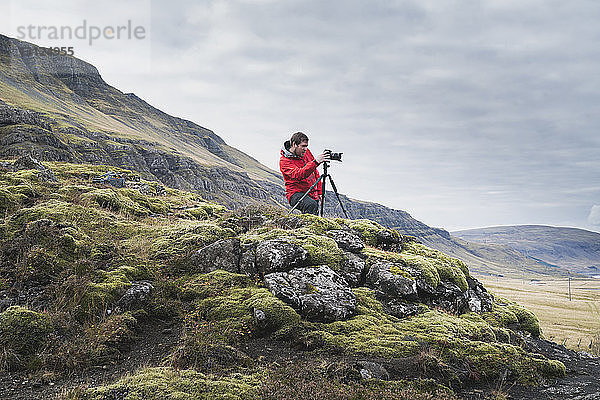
[573, 322]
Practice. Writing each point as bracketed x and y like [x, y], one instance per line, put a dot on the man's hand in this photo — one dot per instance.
[320, 158]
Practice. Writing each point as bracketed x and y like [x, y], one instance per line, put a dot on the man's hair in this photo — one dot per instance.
[298, 138]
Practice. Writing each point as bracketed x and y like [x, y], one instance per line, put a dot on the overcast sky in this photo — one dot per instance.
[463, 113]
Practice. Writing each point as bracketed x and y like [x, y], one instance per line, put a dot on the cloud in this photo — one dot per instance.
[594, 217]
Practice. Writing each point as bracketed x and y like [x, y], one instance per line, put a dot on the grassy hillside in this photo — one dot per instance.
[71, 249]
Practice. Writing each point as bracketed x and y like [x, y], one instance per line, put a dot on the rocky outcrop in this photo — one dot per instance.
[279, 255]
[319, 294]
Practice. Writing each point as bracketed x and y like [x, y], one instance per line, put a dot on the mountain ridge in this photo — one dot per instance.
[573, 250]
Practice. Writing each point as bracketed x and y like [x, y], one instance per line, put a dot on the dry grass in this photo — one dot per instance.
[575, 322]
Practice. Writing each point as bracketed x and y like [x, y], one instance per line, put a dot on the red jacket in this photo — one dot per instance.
[299, 174]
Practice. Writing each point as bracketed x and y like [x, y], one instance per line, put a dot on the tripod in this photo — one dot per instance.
[324, 175]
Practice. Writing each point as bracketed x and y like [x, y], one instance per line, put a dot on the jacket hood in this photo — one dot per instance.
[285, 151]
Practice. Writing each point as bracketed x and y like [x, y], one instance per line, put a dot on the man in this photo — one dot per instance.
[299, 169]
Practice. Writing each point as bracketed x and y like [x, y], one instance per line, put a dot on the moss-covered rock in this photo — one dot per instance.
[369, 230]
[448, 268]
[23, 334]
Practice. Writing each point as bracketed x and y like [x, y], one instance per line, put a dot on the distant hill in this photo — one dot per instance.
[565, 249]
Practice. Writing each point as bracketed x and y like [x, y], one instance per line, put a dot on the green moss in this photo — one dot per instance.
[107, 340]
[367, 228]
[506, 313]
[491, 360]
[88, 219]
[113, 200]
[145, 204]
[323, 250]
[425, 265]
[9, 200]
[468, 338]
[206, 211]
[174, 244]
[318, 225]
[448, 269]
[235, 309]
[211, 284]
[22, 334]
[169, 384]
[105, 289]
[396, 269]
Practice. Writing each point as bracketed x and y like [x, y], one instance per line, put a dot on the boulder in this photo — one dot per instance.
[389, 240]
[347, 240]
[478, 298]
[353, 269]
[135, 297]
[372, 370]
[279, 255]
[448, 296]
[389, 282]
[318, 293]
[399, 309]
[223, 254]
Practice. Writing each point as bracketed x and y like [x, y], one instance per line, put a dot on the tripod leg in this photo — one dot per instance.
[336, 194]
[325, 174]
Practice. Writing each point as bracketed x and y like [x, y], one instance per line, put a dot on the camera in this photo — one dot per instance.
[332, 156]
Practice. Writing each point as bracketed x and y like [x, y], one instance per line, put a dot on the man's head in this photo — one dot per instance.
[298, 144]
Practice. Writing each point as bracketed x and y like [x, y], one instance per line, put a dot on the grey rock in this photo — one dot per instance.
[347, 240]
[400, 309]
[353, 269]
[223, 254]
[318, 294]
[389, 240]
[478, 298]
[279, 255]
[449, 297]
[260, 318]
[248, 260]
[372, 370]
[135, 297]
[390, 285]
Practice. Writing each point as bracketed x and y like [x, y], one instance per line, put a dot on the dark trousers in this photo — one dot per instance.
[308, 205]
